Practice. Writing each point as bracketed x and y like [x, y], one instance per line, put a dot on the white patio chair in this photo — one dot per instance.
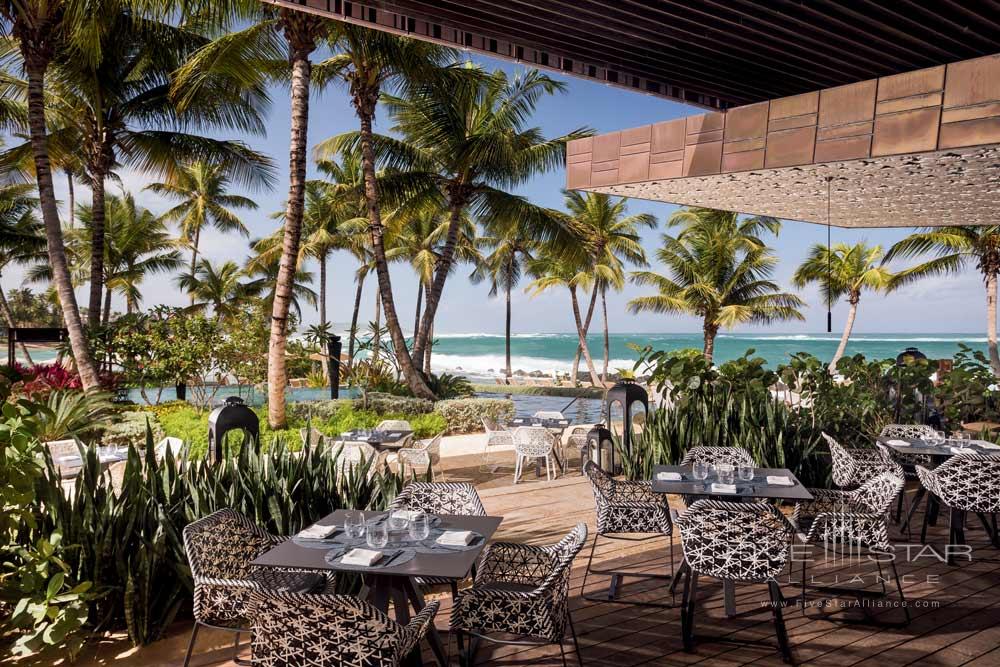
[496, 436]
[174, 445]
[533, 442]
[424, 455]
[394, 425]
[548, 414]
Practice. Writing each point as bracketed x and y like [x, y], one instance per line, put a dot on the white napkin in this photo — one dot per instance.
[456, 538]
[779, 480]
[960, 450]
[898, 443]
[68, 458]
[984, 444]
[317, 532]
[723, 488]
[362, 557]
[409, 515]
[669, 476]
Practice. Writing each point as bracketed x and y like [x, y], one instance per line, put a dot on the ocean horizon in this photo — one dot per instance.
[482, 354]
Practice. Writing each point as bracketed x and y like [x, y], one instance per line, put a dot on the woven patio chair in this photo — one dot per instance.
[853, 520]
[327, 630]
[631, 512]
[220, 549]
[422, 456]
[739, 543]
[496, 436]
[520, 590]
[533, 442]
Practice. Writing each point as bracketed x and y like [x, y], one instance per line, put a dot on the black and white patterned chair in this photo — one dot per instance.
[717, 455]
[905, 432]
[220, 549]
[520, 590]
[965, 483]
[630, 511]
[739, 543]
[853, 467]
[848, 521]
[327, 630]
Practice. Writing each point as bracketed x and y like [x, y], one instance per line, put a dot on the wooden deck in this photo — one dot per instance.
[956, 610]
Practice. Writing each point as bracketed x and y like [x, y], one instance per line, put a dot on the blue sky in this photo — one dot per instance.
[953, 304]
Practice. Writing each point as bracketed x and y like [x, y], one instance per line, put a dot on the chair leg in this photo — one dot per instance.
[777, 600]
[562, 654]
[194, 635]
[459, 643]
[899, 588]
[548, 466]
[576, 643]
[586, 571]
[517, 468]
[687, 609]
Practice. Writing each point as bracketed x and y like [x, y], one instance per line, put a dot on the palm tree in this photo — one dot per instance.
[218, 287]
[611, 239]
[202, 191]
[264, 285]
[955, 248]
[466, 142]
[720, 271]
[22, 239]
[556, 268]
[845, 271]
[503, 268]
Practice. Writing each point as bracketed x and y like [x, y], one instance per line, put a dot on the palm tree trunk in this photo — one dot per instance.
[35, 65]
[507, 334]
[300, 31]
[106, 317]
[441, 271]
[96, 249]
[377, 334]
[420, 300]
[710, 331]
[427, 347]
[194, 256]
[322, 309]
[582, 335]
[71, 198]
[576, 365]
[9, 316]
[364, 102]
[353, 335]
[607, 343]
[991, 322]
[848, 327]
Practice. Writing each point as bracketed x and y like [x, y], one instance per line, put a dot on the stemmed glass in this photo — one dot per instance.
[420, 527]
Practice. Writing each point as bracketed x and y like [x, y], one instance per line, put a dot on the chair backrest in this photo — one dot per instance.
[969, 482]
[844, 465]
[311, 436]
[174, 445]
[739, 541]
[565, 551]
[878, 493]
[440, 498]
[223, 544]
[917, 431]
[532, 440]
[890, 460]
[394, 425]
[717, 455]
[489, 424]
[549, 414]
[321, 630]
[602, 484]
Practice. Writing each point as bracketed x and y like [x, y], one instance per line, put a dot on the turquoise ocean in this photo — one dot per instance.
[481, 354]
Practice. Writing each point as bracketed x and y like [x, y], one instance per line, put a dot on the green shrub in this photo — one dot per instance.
[568, 392]
[129, 428]
[389, 403]
[446, 386]
[464, 415]
[73, 414]
[318, 410]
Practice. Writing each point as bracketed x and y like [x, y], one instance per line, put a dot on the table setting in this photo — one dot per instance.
[722, 480]
[375, 437]
[942, 445]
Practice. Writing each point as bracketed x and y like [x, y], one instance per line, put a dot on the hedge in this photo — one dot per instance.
[464, 415]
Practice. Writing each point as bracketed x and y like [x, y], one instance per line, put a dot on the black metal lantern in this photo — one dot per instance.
[232, 415]
[333, 348]
[601, 448]
[627, 407]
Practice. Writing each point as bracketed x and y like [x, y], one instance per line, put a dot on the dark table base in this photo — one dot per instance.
[403, 593]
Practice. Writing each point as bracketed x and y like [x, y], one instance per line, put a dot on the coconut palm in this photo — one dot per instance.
[219, 287]
[845, 271]
[265, 280]
[466, 142]
[611, 240]
[503, 268]
[202, 192]
[955, 248]
[719, 270]
[22, 238]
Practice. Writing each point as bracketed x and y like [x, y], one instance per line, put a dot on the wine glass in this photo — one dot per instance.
[420, 527]
[377, 534]
[745, 472]
[397, 520]
[354, 525]
[699, 470]
[726, 473]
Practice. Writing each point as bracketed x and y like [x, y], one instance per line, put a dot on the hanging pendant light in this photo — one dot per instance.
[829, 260]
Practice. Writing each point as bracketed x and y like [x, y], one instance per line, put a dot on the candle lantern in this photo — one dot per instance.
[627, 407]
[232, 415]
[601, 448]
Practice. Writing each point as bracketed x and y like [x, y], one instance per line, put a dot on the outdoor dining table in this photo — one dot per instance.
[750, 490]
[71, 464]
[395, 582]
[378, 439]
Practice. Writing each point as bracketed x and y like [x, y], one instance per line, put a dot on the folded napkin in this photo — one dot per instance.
[961, 450]
[68, 458]
[723, 488]
[409, 515]
[456, 538]
[362, 557]
[898, 443]
[984, 444]
[669, 476]
[779, 480]
[317, 532]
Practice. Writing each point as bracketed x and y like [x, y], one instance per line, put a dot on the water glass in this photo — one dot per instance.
[745, 472]
[354, 525]
[397, 520]
[726, 473]
[938, 438]
[377, 533]
[420, 527]
[961, 439]
[699, 470]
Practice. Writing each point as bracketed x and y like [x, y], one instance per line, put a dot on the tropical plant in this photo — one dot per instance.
[21, 239]
[954, 249]
[219, 287]
[845, 271]
[265, 276]
[447, 386]
[610, 238]
[204, 201]
[720, 270]
[73, 414]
